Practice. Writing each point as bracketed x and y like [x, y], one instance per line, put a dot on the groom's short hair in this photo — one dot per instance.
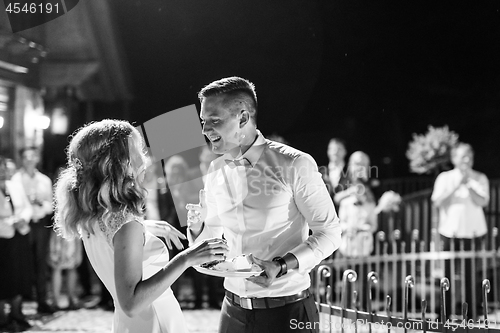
[236, 88]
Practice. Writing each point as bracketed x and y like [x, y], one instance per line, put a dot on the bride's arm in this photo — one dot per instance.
[134, 294]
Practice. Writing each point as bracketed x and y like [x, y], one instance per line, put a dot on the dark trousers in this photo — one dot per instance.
[39, 245]
[467, 279]
[215, 289]
[301, 316]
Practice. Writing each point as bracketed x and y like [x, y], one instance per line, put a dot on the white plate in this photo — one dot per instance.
[237, 267]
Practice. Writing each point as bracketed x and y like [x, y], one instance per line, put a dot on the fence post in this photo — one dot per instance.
[371, 278]
[388, 311]
[494, 235]
[330, 303]
[396, 235]
[435, 265]
[445, 286]
[424, 321]
[349, 276]
[473, 273]
[323, 271]
[354, 302]
[413, 265]
[409, 283]
[381, 253]
[486, 291]
[465, 318]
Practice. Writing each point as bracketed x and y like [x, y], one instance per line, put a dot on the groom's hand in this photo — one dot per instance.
[271, 269]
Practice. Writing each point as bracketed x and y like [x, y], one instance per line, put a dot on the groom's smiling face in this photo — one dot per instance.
[221, 124]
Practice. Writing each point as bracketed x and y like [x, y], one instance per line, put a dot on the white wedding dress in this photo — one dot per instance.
[164, 314]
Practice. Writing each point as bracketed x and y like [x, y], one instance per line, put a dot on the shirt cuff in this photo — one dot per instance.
[307, 257]
[205, 233]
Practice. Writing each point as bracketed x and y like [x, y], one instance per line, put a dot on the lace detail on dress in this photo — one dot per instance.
[115, 223]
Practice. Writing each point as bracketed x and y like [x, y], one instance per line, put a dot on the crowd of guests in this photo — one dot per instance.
[460, 194]
[33, 250]
[354, 189]
[36, 260]
[26, 211]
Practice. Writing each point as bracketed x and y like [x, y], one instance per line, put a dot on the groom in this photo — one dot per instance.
[265, 198]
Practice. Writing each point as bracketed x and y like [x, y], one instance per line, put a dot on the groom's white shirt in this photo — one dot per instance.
[267, 209]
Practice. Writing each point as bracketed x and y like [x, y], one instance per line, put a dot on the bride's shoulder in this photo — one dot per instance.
[110, 224]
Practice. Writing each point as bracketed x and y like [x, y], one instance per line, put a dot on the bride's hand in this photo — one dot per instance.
[207, 250]
[165, 230]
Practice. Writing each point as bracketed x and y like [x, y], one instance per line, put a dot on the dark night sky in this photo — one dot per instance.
[370, 72]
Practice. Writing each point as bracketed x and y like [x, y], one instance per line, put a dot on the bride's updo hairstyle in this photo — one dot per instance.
[104, 162]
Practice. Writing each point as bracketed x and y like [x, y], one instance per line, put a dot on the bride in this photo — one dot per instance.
[99, 197]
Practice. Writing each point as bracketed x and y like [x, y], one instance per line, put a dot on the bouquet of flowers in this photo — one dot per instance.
[389, 202]
[431, 152]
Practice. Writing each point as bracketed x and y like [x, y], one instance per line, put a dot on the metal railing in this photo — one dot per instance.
[395, 259]
[349, 318]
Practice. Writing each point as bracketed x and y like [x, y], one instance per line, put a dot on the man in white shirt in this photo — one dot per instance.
[336, 155]
[461, 194]
[264, 197]
[335, 171]
[38, 188]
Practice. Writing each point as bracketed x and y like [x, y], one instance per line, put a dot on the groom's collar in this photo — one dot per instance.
[253, 153]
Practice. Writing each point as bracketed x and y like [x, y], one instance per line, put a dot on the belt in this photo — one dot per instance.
[250, 303]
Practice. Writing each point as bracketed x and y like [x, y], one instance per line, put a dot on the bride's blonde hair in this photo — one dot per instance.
[99, 180]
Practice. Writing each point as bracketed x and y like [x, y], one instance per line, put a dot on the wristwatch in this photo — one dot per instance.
[282, 263]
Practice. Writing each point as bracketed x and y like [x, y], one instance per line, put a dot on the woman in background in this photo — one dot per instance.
[357, 208]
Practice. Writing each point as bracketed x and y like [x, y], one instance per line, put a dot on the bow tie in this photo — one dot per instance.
[239, 162]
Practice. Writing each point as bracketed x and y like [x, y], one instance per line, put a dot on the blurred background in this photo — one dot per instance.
[369, 72]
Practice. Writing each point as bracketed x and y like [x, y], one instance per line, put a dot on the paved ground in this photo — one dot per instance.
[99, 321]
[96, 320]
